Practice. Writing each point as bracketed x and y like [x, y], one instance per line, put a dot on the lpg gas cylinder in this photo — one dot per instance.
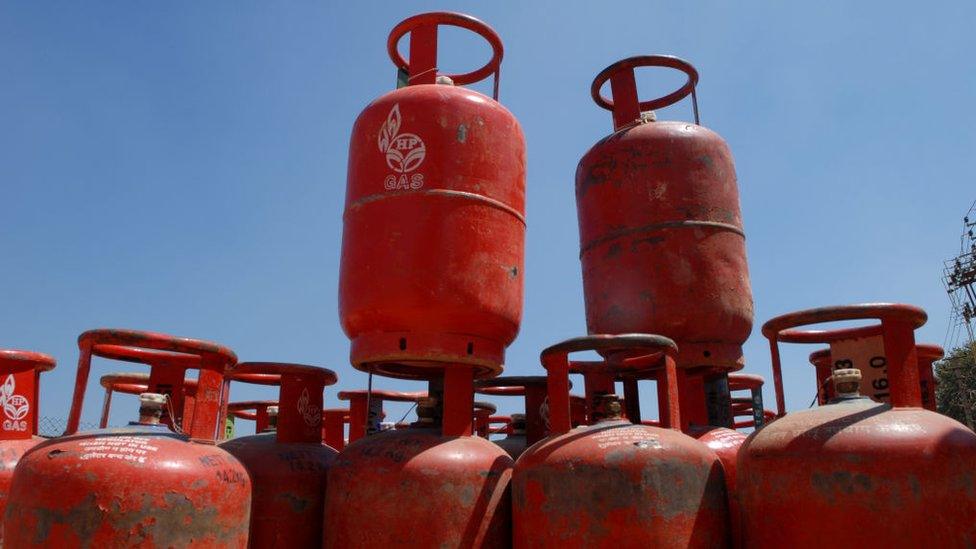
[724, 442]
[288, 466]
[434, 223]
[366, 409]
[258, 411]
[481, 416]
[527, 428]
[334, 421]
[661, 240]
[139, 485]
[615, 483]
[504, 425]
[880, 475]
[21, 371]
[136, 383]
[430, 485]
[751, 406]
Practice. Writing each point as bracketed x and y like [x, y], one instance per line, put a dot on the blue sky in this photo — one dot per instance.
[181, 167]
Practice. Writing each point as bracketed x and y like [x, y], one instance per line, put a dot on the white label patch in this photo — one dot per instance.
[311, 414]
[15, 407]
[134, 449]
[404, 152]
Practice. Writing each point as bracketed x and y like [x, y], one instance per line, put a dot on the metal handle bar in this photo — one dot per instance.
[422, 66]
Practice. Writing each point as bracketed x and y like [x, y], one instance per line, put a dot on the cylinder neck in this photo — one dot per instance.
[429, 412]
[151, 406]
[606, 407]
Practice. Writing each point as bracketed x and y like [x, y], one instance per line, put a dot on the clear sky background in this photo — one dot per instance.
[181, 167]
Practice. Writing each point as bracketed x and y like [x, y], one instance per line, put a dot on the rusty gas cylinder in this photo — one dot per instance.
[527, 428]
[430, 485]
[615, 483]
[19, 396]
[288, 466]
[434, 224]
[139, 485]
[880, 475]
[661, 239]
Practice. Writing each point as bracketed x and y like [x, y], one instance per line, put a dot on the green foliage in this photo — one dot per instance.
[956, 378]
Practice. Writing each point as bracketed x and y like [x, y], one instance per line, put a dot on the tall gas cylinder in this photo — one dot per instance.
[661, 239]
[527, 428]
[139, 485]
[21, 371]
[615, 483]
[434, 223]
[432, 484]
[288, 466]
[880, 475]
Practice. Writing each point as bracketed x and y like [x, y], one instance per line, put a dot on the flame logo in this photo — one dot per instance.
[15, 407]
[311, 415]
[404, 151]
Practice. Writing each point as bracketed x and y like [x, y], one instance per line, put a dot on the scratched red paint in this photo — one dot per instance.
[856, 472]
[661, 240]
[140, 485]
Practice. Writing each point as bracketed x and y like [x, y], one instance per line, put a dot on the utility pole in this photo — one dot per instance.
[959, 278]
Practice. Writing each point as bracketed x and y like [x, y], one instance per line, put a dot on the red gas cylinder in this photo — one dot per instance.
[334, 421]
[136, 383]
[927, 354]
[19, 398]
[262, 412]
[751, 406]
[661, 239]
[615, 483]
[288, 466]
[431, 485]
[527, 428]
[140, 485]
[434, 224]
[504, 424]
[482, 414]
[862, 348]
[880, 475]
[366, 409]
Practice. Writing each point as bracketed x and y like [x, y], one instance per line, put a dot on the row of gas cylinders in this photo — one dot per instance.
[578, 468]
[431, 288]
